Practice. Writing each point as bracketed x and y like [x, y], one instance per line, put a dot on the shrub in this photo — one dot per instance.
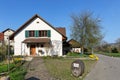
[87, 52]
[73, 54]
[114, 50]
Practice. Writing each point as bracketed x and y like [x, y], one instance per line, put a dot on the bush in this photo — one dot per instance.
[87, 52]
[114, 50]
[73, 54]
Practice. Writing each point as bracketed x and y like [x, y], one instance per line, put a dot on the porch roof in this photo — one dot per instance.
[36, 40]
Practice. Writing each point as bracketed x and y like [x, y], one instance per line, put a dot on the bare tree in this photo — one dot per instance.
[118, 41]
[86, 30]
[118, 44]
[105, 47]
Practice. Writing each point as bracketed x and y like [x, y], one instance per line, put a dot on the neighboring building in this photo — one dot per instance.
[38, 37]
[1, 38]
[74, 46]
[7, 33]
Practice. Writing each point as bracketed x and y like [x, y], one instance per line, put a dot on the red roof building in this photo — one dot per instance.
[1, 37]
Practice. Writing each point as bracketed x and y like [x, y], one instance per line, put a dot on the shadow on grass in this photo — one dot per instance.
[32, 78]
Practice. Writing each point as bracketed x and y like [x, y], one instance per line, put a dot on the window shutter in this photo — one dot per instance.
[49, 33]
[26, 34]
[36, 33]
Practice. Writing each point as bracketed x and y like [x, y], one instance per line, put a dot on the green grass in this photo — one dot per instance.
[61, 68]
[4, 67]
[111, 54]
[70, 54]
[18, 74]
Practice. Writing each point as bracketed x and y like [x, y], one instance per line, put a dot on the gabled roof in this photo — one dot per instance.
[7, 30]
[29, 21]
[61, 30]
[74, 43]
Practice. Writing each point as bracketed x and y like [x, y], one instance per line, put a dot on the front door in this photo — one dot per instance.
[32, 50]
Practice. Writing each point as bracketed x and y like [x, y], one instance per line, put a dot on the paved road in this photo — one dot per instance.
[107, 68]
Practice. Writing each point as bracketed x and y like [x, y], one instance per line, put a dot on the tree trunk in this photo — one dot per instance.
[82, 50]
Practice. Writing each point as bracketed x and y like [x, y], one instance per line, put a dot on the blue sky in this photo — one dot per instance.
[14, 13]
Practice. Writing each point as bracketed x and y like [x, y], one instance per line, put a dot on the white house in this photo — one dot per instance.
[7, 33]
[38, 37]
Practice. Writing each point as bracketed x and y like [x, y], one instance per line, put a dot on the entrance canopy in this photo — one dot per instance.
[36, 40]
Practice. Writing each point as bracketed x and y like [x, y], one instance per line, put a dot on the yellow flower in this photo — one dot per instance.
[93, 56]
[17, 59]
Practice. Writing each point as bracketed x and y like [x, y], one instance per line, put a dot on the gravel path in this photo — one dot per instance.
[37, 70]
[107, 68]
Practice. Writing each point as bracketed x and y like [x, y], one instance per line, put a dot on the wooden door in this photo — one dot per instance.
[32, 50]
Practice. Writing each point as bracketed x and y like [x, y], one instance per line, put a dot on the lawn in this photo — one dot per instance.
[111, 54]
[60, 68]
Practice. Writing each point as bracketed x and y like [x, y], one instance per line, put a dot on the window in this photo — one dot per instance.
[37, 33]
[31, 33]
[43, 33]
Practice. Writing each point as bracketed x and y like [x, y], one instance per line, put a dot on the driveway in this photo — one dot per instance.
[107, 68]
[37, 70]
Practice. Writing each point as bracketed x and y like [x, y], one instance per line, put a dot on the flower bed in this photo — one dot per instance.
[93, 56]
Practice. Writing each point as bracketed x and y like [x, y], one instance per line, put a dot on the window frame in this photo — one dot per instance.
[43, 33]
[31, 33]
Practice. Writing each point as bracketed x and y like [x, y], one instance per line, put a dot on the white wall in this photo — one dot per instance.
[6, 34]
[76, 50]
[55, 36]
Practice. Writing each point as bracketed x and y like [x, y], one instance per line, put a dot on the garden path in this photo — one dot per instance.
[37, 70]
[107, 68]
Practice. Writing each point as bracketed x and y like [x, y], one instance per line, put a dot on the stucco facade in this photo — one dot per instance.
[7, 33]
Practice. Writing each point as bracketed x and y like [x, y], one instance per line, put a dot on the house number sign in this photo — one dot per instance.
[76, 65]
